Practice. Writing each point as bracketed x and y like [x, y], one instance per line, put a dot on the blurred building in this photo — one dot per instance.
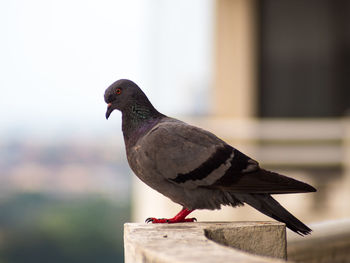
[280, 93]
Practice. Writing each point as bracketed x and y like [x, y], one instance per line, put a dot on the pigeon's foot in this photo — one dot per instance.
[179, 218]
[168, 221]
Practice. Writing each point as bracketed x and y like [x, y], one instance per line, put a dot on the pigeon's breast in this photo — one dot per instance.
[144, 166]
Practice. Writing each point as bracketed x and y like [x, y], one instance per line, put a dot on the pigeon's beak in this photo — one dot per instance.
[109, 110]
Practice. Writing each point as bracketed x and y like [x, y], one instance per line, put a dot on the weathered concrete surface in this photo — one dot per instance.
[260, 238]
[329, 242]
[201, 242]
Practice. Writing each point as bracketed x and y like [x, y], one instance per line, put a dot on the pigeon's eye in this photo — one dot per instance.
[118, 91]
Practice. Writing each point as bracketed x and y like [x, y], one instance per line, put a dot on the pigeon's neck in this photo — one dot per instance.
[137, 120]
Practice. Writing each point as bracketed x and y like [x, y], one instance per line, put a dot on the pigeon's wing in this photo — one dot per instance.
[192, 157]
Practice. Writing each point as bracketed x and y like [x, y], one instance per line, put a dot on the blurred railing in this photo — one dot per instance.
[285, 142]
[329, 242]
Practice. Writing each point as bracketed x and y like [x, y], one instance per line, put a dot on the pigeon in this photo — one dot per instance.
[192, 166]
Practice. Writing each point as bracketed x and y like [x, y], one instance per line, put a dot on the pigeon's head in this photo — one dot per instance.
[121, 94]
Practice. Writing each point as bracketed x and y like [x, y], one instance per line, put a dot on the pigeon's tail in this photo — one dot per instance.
[270, 207]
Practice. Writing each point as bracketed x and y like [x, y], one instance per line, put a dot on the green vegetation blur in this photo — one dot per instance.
[43, 228]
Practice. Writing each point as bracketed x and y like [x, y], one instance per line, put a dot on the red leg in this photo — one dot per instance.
[179, 218]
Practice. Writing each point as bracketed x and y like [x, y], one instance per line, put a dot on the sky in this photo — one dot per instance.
[58, 57]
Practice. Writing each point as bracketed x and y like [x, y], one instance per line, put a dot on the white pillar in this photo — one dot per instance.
[235, 59]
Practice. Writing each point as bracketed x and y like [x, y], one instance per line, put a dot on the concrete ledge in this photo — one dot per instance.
[205, 242]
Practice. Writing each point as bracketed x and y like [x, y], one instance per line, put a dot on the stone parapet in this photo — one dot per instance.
[205, 242]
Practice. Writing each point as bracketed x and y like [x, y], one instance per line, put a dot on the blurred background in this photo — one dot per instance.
[270, 77]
